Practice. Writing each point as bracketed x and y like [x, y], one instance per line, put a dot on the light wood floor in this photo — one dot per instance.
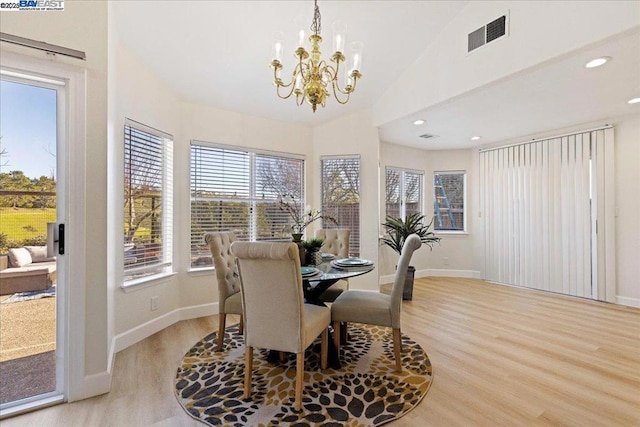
[502, 356]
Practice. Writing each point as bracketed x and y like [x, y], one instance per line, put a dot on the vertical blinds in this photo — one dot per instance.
[341, 196]
[147, 201]
[403, 192]
[237, 190]
[540, 207]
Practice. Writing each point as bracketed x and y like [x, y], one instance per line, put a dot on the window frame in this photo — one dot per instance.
[252, 199]
[464, 230]
[164, 266]
[402, 189]
[354, 240]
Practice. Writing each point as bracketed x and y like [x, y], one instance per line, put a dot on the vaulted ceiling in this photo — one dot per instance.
[217, 53]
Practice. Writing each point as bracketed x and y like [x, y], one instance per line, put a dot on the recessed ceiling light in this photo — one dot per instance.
[598, 62]
[633, 100]
[475, 138]
[418, 122]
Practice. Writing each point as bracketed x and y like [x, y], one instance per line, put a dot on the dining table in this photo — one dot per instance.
[329, 272]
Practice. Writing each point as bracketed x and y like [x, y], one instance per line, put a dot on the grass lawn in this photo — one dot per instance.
[21, 223]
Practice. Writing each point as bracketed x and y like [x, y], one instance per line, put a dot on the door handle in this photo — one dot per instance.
[61, 239]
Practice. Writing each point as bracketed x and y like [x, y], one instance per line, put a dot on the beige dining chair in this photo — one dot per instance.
[376, 308]
[229, 298]
[275, 316]
[336, 242]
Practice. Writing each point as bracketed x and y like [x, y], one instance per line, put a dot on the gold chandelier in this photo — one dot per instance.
[312, 75]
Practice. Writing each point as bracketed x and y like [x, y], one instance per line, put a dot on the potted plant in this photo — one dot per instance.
[312, 246]
[397, 232]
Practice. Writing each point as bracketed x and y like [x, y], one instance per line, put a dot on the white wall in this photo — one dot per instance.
[209, 124]
[454, 254]
[538, 31]
[627, 172]
[354, 134]
[137, 94]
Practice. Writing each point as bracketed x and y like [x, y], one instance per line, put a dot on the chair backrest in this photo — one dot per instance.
[336, 241]
[411, 244]
[272, 296]
[225, 263]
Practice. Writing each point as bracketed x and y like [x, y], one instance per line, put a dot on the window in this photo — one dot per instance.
[148, 200]
[449, 200]
[341, 196]
[403, 192]
[237, 190]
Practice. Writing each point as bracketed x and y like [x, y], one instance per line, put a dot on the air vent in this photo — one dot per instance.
[487, 33]
[428, 136]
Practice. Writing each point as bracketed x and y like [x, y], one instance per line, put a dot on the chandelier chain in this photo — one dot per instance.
[316, 25]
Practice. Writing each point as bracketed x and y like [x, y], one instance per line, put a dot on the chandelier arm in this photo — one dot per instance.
[285, 86]
[301, 69]
[336, 91]
[336, 85]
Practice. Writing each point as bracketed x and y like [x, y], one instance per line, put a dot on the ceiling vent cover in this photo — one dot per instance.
[488, 33]
[428, 136]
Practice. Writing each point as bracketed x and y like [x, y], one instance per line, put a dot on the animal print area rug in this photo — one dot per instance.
[366, 391]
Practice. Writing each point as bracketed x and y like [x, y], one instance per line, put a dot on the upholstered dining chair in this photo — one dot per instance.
[275, 316]
[229, 298]
[375, 308]
[336, 242]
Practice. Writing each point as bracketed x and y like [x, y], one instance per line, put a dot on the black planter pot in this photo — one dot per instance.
[407, 292]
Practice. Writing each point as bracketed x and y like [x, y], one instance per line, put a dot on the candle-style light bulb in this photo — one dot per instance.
[339, 35]
[298, 87]
[301, 25]
[356, 55]
[278, 46]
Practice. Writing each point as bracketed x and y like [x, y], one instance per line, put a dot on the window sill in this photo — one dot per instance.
[201, 271]
[451, 233]
[145, 282]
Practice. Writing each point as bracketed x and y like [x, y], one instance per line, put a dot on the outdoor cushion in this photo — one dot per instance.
[38, 253]
[19, 257]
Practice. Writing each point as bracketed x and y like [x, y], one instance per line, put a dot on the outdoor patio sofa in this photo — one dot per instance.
[26, 269]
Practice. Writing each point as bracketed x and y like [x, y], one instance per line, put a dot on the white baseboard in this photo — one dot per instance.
[134, 335]
[94, 385]
[435, 272]
[631, 302]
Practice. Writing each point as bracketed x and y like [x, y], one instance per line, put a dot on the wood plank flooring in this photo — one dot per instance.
[501, 356]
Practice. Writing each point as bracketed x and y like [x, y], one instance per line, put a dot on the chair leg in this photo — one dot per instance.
[324, 348]
[248, 367]
[343, 332]
[336, 336]
[397, 347]
[241, 325]
[299, 380]
[222, 319]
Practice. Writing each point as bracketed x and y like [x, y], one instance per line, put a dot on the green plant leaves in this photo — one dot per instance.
[398, 230]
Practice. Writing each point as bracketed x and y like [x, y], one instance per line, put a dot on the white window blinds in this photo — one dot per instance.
[148, 200]
[540, 203]
[341, 196]
[403, 192]
[237, 190]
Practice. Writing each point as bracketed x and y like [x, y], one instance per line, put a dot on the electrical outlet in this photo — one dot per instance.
[154, 303]
[445, 261]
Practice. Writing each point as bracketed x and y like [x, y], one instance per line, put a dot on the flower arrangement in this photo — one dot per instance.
[301, 219]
